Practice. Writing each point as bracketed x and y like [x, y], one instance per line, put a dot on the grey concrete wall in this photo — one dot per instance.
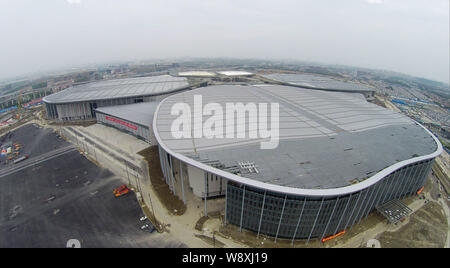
[130, 172]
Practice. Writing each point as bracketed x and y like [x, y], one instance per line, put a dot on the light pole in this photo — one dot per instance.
[126, 168]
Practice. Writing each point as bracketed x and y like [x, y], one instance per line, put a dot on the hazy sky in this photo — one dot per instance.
[409, 36]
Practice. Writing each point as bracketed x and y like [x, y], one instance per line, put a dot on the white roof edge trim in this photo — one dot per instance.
[112, 98]
[297, 191]
[306, 85]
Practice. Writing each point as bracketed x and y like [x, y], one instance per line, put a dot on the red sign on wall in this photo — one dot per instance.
[121, 122]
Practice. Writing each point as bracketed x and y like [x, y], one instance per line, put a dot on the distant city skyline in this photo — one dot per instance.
[405, 36]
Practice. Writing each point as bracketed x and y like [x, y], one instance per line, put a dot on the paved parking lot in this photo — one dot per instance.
[67, 197]
[35, 141]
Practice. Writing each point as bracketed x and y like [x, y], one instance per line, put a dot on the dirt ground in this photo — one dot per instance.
[213, 241]
[427, 228]
[441, 169]
[251, 240]
[170, 201]
[27, 116]
[73, 123]
[199, 224]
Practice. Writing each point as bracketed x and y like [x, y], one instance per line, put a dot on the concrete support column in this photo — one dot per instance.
[171, 175]
[164, 157]
[391, 187]
[205, 196]
[393, 184]
[161, 162]
[366, 207]
[331, 217]
[427, 173]
[281, 218]
[383, 192]
[428, 168]
[378, 185]
[343, 214]
[242, 209]
[182, 181]
[315, 221]
[168, 179]
[412, 175]
[406, 181]
[353, 211]
[418, 177]
[397, 184]
[226, 202]
[360, 207]
[298, 222]
[262, 212]
[388, 186]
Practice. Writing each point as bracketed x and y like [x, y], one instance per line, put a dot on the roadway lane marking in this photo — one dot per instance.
[37, 160]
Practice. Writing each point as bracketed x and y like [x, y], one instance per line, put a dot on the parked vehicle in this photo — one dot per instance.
[20, 159]
[148, 227]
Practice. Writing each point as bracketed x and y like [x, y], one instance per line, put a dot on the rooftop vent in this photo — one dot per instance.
[250, 167]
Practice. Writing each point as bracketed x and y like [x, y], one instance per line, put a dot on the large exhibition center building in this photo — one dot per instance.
[338, 158]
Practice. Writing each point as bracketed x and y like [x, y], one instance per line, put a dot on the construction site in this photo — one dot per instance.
[108, 188]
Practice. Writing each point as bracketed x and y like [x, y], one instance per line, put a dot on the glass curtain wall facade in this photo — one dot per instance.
[301, 217]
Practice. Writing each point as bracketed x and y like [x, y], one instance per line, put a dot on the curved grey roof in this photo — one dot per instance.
[316, 82]
[328, 140]
[139, 113]
[119, 88]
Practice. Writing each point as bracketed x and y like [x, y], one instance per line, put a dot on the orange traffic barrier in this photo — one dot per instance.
[420, 190]
[123, 192]
[120, 188]
[332, 237]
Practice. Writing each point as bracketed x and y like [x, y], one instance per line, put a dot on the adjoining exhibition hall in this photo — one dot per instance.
[79, 102]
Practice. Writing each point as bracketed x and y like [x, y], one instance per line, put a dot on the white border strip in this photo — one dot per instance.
[291, 190]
